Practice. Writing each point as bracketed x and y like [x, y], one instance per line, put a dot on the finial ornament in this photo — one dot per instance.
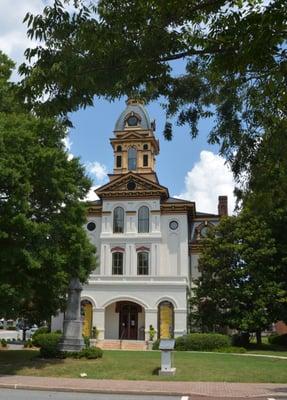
[133, 101]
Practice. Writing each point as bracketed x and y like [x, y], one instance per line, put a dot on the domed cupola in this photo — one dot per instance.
[135, 116]
[134, 142]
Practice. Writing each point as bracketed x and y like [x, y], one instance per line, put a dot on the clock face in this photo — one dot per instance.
[203, 232]
[131, 185]
[91, 226]
[132, 121]
[173, 225]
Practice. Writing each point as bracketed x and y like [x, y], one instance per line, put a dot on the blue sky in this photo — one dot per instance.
[191, 169]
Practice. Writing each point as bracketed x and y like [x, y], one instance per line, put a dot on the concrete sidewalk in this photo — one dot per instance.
[84, 385]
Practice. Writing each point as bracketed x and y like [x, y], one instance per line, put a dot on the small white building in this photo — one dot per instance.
[147, 242]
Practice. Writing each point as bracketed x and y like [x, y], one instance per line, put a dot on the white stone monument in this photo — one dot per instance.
[72, 339]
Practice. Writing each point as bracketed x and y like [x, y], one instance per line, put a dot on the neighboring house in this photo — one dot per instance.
[147, 242]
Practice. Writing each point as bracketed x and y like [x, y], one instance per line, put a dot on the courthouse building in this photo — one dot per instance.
[148, 243]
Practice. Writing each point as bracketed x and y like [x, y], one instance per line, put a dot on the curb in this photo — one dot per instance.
[135, 392]
[101, 391]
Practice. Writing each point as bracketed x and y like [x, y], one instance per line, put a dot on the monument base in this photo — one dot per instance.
[72, 338]
[71, 344]
[167, 372]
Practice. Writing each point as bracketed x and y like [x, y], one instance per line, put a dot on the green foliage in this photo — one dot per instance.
[231, 349]
[3, 343]
[151, 333]
[234, 69]
[239, 285]
[201, 342]
[48, 343]
[279, 340]
[241, 339]
[95, 332]
[155, 345]
[89, 353]
[28, 344]
[42, 240]
[86, 341]
[38, 332]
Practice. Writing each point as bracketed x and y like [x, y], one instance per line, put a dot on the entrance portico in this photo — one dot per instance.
[124, 320]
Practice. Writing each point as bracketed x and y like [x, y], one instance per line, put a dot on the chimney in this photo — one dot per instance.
[222, 206]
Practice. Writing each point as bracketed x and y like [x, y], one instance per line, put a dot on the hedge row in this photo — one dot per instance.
[199, 342]
[279, 340]
[202, 342]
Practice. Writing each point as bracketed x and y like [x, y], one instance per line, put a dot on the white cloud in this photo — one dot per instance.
[98, 170]
[91, 196]
[13, 33]
[208, 179]
[68, 145]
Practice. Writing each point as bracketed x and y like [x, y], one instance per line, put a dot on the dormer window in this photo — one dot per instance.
[132, 120]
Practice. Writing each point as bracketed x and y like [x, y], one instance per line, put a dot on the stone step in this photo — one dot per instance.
[122, 344]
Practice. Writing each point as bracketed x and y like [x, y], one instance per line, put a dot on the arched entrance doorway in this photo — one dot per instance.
[165, 320]
[128, 319]
[87, 317]
[124, 320]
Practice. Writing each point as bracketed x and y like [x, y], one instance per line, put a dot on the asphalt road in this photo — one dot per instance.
[12, 394]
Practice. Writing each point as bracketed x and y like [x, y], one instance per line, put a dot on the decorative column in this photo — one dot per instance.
[72, 339]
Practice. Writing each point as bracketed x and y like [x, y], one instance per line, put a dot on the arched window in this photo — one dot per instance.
[119, 220]
[87, 317]
[143, 263]
[119, 161]
[119, 148]
[143, 220]
[165, 320]
[117, 267]
[132, 159]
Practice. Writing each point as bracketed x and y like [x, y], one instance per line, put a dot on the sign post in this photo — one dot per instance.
[166, 346]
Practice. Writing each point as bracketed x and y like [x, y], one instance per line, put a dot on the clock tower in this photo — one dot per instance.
[135, 146]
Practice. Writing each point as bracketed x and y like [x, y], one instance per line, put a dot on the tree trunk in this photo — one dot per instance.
[258, 338]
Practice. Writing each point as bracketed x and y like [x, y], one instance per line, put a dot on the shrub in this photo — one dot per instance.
[231, 349]
[39, 331]
[87, 341]
[155, 345]
[95, 332]
[202, 342]
[241, 339]
[48, 343]
[151, 333]
[89, 353]
[3, 343]
[28, 344]
[279, 340]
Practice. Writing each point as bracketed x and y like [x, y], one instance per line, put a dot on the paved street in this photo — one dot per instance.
[12, 394]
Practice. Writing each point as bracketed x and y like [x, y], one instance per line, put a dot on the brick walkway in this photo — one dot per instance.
[214, 389]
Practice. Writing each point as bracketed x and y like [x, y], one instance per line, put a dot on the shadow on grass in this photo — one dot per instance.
[12, 362]
[266, 347]
[156, 371]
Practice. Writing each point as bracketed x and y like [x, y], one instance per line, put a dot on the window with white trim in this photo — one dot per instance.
[143, 257]
[117, 267]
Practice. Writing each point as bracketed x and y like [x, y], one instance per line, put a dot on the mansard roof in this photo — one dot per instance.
[134, 107]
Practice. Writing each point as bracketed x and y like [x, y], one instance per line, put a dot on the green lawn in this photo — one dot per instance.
[144, 365]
